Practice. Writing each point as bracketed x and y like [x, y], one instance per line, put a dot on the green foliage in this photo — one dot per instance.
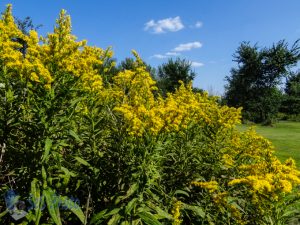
[170, 73]
[291, 99]
[293, 85]
[253, 85]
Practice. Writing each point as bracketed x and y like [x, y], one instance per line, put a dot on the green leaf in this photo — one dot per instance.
[68, 172]
[37, 200]
[148, 218]
[3, 213]
[74, 135]
[130, 205]
[75, 101]
[73, 207]
[82, 161]
[52, 205]
[48, 145]
[196, 209]
[137, 222]
[114, 220]
[133, 188]
[66, 177]
[9, 95]
[98, 217]
[44, 174]
[163, 214]
[181, 192]
[112, 212]
[39, 211]
[35, 192]
[125, 223]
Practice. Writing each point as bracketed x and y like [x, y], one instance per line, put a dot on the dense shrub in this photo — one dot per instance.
[77, 150]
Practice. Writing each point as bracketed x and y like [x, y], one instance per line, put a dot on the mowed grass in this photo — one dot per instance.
[284, 135]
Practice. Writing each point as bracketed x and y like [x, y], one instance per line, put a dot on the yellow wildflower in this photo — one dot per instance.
[211, 186]
[176, 213]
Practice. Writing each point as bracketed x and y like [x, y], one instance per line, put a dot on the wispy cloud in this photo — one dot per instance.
[198, 24]
[187, 46]
[197, 64]
[164, 25]
[172, 53]
[166, 55]
[159, 56]
[177, 51]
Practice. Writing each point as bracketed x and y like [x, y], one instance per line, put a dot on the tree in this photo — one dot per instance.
[292, 87]
[170, 73]
[253, 85]
[291, 101]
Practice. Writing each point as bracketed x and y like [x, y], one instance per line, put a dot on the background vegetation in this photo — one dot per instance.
[254, 84]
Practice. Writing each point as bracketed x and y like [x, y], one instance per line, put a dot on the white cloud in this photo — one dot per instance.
[159, 56]
[187, 46]
[198, 24]
[164, 25]
[167, 55]
[172, 53]
[197, 64]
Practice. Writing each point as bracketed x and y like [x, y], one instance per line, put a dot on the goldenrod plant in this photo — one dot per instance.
[77, 148]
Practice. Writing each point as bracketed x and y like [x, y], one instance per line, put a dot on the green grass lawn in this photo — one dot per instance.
[285, 136]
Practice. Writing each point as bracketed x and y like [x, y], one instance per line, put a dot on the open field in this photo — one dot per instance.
[285, 136]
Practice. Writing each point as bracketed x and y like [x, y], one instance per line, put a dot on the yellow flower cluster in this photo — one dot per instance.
[176, 213]
[281, 177]
[260, 170]
[257, 183]
[46, 58]
[177, 112]
[250, 158]
[228, 160]
[211, 186]
[134, 89]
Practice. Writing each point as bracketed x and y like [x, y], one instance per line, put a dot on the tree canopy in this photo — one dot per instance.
[173, 71]
[253, 84]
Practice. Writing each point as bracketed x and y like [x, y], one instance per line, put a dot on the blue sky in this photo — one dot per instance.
[206, 33]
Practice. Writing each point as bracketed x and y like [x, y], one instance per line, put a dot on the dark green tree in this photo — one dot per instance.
[292, 86]
[291, 100]
[170, 73]
[253, 85]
